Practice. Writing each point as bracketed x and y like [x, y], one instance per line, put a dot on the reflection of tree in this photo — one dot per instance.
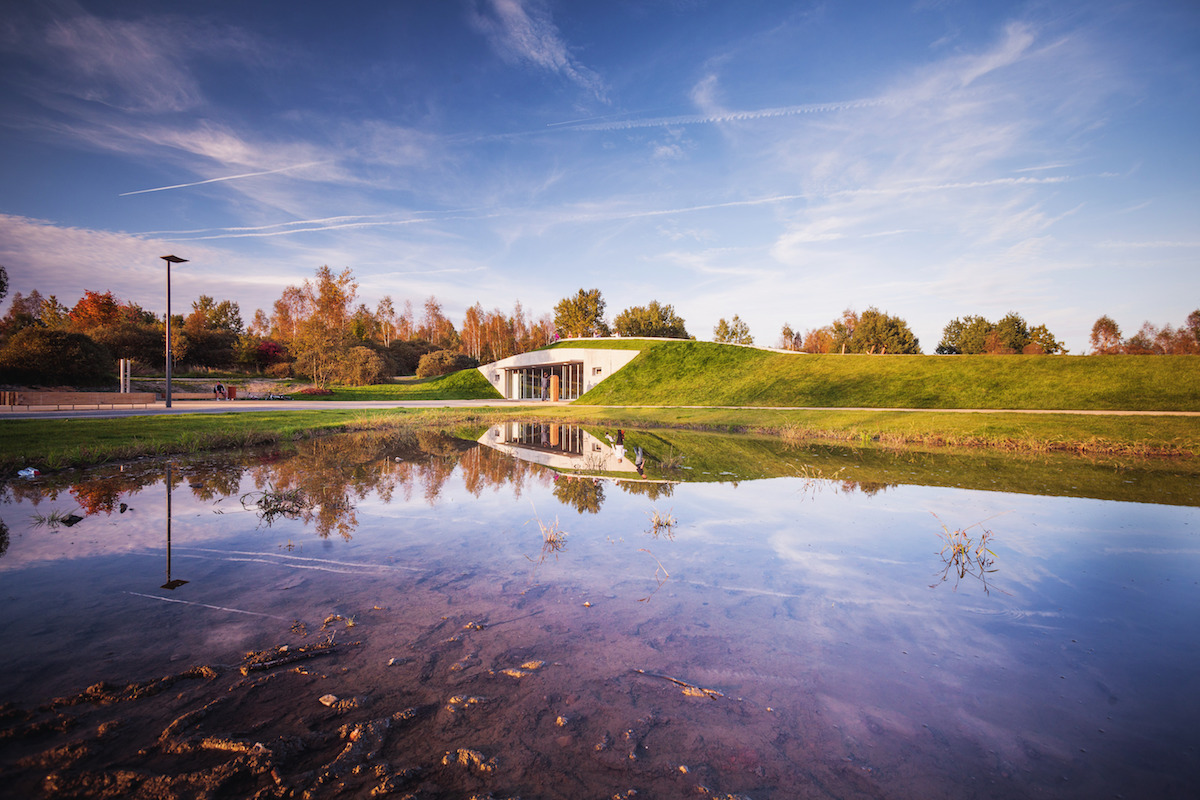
[869, 488]
[3, 538]
[332, 474]
[584, 494]
[212, 480]
[100, 494]
[484, 467]
[651, 489]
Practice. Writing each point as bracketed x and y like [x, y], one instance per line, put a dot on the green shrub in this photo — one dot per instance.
[443, 362]
[48, 357]
[362, 366]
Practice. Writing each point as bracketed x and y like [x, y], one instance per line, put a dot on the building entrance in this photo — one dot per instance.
[525, 383]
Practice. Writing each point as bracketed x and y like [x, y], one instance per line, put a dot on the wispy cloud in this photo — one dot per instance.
[523, 32]
[128, 65]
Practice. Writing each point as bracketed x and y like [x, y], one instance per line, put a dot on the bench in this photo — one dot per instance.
[73, 399]
[192, 395]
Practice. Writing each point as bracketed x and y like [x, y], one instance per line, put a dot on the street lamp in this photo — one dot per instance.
[170, 260]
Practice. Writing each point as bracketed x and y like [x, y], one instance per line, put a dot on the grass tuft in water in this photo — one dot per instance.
[662, 524]
[273, 503]
[966, 554]
[554, 538]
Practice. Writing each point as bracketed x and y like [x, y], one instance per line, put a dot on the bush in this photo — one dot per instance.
[443, 362]
[407, 354]
[362, 366]
[47, 357]
[280, 370]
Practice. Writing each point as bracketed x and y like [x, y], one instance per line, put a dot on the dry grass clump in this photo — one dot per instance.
[554, 538]
[662, 524]
[273, 503]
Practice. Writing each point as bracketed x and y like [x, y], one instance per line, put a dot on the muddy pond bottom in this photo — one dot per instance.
[459, 623]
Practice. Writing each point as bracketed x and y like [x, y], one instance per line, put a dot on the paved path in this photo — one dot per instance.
[230, 406]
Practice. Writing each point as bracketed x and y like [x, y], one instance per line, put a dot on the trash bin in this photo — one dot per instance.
[231, 392]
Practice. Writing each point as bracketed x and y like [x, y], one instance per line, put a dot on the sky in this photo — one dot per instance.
[781, 161]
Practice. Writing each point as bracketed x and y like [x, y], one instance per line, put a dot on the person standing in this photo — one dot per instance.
[545, 385]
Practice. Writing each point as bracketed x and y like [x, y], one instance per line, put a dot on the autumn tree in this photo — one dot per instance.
[788, 338]
[1106, 336]
[873, 332]
[817, 340]
[581, 315]
[733, 331]
[654, 319]
[435, 328]
[212, 331]
[1042, 342]
[23, 312]
[322, 331]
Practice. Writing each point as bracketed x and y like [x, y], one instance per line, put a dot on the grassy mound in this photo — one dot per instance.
[467, 384]
[707, 374]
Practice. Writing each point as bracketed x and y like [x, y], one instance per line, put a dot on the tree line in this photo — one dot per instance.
[1149, 340]
[320, 330]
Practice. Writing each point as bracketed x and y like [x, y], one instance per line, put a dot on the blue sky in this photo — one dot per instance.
[779, 161]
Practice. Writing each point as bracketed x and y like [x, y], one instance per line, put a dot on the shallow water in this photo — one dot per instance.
[784, 637]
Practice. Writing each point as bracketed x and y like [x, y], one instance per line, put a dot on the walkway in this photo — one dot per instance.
[231, 406]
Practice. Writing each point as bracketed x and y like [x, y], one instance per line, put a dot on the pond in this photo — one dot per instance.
[465, 614]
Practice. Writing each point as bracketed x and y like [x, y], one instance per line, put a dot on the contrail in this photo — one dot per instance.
[226, 178]
[204, 605]
[730, 116]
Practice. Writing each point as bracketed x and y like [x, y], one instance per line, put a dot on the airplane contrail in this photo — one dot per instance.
[226, 178]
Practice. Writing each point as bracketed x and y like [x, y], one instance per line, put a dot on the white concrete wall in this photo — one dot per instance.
[597, 364]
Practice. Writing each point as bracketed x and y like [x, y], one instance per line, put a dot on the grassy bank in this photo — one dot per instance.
[703, 373]
[467, 384]
[54, 443]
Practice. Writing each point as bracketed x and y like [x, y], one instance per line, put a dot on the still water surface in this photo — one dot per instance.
[501, 626]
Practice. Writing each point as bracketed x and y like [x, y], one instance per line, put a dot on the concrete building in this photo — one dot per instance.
[566, 448]
[577, 370]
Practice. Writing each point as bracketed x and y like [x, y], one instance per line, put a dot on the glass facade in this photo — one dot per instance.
[526, 383]
[545, 436]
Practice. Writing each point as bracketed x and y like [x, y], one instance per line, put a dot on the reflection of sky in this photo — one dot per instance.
[1091, 621]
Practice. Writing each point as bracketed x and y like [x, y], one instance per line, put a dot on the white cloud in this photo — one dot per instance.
[523, 32]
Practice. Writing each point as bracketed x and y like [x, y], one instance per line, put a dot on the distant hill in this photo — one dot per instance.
[685, 373]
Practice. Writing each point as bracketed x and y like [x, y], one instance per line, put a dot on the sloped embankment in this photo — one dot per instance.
[708, 374]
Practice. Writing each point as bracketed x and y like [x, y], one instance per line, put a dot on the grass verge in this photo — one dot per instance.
[57, 443]
[467, 384]
[703, 373]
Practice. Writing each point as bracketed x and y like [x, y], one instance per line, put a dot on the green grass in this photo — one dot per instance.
[711, 457]
[703, 373]
[50, 444]
[622, 343]
[467, 384]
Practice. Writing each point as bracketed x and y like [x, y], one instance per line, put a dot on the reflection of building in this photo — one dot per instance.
[563, 447]
[578, 369]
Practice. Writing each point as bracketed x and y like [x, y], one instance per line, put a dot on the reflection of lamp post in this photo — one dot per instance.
[170, 260]
[170, 584]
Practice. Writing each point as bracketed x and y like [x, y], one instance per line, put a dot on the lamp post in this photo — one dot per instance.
[170, 260]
